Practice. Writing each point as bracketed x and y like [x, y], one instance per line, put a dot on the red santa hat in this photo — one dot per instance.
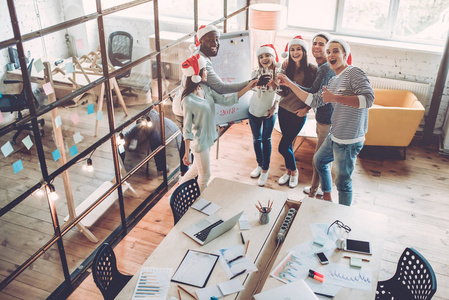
[192, 67]
[203, 30]
[345, 46]
[268, 48]
[297, 40]
[322, 34]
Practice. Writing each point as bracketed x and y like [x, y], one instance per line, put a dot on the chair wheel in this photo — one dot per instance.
[42, 122]
[13, 142]
[42, 132]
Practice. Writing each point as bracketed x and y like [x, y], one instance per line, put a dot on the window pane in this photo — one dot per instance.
[423, 20]
[365, 15]
[316, 14]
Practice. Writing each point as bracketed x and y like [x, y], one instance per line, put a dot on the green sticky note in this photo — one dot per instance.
[356, 262]
[319, 240]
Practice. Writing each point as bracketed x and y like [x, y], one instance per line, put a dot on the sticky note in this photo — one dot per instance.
[28, 142]
[7, 149]
[121, 149]
[320, 241]
[90, 109]
[58, 121]
[48, 89]
[69, 68]
[1, 116]
[99, 115]
[77, 137]
[1, 94]
[73, 150]
[79, 44]
[17, 166]
[355, 262]
[56, 154]
[38, 65]
[75, 118]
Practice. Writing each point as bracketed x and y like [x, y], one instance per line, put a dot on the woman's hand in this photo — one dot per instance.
[302, 111]
[285, 64]
[283, 80]
[271, 111]
[186, 159]
[328, 96]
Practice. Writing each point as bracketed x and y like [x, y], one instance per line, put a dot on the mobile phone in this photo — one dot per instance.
[322, 257]
[358, 246]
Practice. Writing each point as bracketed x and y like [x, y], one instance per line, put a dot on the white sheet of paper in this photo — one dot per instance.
[295, 290]
[244, 263]
[210, 209]
[344, 275]
[195, 268]
[231, 286]
[153, 283]
[244, 223]
[208, 292]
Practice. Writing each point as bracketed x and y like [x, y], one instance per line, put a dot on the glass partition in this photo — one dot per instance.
[6, 32]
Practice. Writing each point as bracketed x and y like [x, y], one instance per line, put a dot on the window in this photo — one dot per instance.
[419, 21]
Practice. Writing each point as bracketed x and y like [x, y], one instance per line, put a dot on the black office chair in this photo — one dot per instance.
[183, 197]
[106, 275]
[120, 49]
[17, 103]
[414, 279]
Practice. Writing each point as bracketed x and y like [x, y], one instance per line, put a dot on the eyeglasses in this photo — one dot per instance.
[340, 225]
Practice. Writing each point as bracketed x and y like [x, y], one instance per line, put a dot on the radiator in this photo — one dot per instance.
[421, 90]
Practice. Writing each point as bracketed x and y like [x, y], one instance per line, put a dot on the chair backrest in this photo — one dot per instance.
[105, 273]
[120, 48]
[416, 275]
[183, 197]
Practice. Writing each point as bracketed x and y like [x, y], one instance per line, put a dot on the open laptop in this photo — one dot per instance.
[210, 228]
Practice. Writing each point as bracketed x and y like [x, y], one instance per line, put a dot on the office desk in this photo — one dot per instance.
[365, 225]
[233, 197]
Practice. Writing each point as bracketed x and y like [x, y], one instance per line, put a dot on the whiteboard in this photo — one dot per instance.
[233, 64]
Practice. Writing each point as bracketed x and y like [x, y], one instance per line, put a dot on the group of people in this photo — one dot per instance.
[340, 94]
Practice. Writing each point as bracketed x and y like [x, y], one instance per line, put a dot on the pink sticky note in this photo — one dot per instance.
[79, 44]
[48, 89]
[75, 118]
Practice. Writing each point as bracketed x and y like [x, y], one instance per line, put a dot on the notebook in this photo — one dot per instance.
[294, 290]
[210, 228]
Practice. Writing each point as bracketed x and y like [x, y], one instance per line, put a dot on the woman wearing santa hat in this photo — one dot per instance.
[351, 95]
[263, 110]
[198, 106]
[291, 120]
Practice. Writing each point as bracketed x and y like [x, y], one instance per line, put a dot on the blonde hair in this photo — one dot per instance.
[272, 66]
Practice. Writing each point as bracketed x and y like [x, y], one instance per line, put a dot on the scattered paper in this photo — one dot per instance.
[28, 142]
[292, 268]
[153, 283]
[73, 150]
[243, 222]
[294, 290]
[7, 149]
[56, 154]
[17, 166]
[69, 68]
[99, 115]
[75, 118]
[48, 89]
[344, 275]
[231, 286]
[90, 109]
[38, 65]
[206, 207]
[58, 121]
[77, 137]
[233, 267]
[208, 292]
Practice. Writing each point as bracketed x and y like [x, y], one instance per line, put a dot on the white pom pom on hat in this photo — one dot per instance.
[297, 40]
[203, 30]
[192, 66]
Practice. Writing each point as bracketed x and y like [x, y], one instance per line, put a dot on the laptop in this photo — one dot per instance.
[210, 228]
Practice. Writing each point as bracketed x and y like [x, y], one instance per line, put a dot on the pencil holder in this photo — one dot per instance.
[264, 217]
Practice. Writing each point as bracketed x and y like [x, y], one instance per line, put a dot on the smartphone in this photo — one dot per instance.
[358, 246]
[322, 257]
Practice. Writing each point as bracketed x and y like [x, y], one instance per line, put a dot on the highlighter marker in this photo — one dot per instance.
[312, 272]
[320, 279]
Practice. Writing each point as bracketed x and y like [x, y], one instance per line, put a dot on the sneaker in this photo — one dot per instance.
[293, 181]
[284, 179]
[132, 145]
[256, 172]
[307, 189]
[263, 178]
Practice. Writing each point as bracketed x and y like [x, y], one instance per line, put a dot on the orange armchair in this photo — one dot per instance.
[393, 119]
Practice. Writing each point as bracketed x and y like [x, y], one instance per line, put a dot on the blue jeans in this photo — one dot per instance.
[290, 125]
[344, 157]
[262, 128]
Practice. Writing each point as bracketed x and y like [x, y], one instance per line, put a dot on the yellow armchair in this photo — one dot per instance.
[393, 119]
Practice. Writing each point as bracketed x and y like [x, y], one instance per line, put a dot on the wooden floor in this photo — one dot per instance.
[413, 193]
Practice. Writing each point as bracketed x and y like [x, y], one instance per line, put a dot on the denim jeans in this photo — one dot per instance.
[322, 131]
[262, 128]
[344, 157]
[290, 125]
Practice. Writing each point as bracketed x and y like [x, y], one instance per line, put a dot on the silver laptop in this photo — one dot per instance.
[210, 228]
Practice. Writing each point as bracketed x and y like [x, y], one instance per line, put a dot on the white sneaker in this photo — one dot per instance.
[319, 191]
[263, 178]
[284, 179]
[256, 172]
[132, 145]
[293, 181]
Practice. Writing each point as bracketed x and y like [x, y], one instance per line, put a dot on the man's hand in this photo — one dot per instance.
[328, 96]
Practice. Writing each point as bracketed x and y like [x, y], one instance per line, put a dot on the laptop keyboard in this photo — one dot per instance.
[202, 235]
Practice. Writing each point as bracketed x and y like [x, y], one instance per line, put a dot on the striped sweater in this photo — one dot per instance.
[349, 124]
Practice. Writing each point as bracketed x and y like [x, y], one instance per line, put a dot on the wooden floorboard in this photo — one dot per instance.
[413, 193]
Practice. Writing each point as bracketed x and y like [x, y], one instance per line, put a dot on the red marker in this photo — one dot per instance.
[313, 273]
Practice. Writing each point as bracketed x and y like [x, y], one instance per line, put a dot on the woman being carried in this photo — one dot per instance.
[198, 106]
[263, 110]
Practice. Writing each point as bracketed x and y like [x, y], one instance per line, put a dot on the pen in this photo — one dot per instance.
[247, 245]
[243, 240]
[324, 295]
[238, 274]
[205, 206]
[234, 259]
[363, 259]
[179, 294]
[190, 294]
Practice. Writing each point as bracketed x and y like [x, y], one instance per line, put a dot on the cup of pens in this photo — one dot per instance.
[264, 212]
